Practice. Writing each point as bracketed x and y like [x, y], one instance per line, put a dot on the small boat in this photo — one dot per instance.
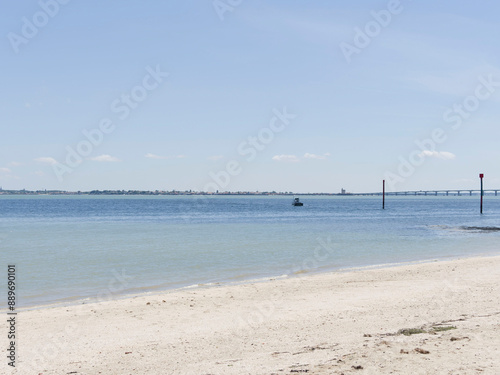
[296, 202]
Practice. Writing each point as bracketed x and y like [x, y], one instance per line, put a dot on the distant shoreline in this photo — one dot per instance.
[240, 193]
[155, 192]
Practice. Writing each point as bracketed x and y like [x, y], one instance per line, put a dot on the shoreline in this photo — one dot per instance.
[158, 290]
[323, 323]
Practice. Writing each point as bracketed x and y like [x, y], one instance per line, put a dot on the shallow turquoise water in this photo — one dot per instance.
[71, 247]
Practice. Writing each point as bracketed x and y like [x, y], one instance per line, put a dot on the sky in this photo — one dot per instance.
[303, 96]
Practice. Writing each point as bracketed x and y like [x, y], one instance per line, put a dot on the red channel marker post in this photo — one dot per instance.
[481, 176]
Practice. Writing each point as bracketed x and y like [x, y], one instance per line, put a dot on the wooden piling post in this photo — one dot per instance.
[383, 194]
[481, 175]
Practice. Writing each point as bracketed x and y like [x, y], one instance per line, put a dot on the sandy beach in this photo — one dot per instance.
[427, 318]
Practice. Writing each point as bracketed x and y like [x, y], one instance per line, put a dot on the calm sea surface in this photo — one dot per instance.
[68, 248]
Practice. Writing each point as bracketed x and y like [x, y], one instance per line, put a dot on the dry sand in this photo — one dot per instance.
[335, 323]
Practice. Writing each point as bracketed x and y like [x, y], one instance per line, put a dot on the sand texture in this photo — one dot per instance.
[335, 323]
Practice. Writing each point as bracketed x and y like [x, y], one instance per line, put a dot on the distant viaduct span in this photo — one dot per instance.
[458, 192]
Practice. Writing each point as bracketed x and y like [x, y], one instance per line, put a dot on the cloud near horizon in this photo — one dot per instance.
[215, 157]
[5, 170]
[295, 159]
[105, 158]
[286, 158]
[46, 160]
[153, 156]
[314, 156]
[159, 157]
[438, 154]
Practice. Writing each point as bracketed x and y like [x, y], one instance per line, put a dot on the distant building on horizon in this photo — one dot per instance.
[344, 192]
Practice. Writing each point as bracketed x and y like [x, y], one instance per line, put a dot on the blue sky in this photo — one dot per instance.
[419, 69]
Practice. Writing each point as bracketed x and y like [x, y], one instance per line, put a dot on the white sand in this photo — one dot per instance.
[316, 324]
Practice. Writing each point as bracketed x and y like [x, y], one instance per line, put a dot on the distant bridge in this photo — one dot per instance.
[458, 192]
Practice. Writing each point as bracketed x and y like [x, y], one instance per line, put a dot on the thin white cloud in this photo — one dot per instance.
[105, 158]
[286, 158]
[5, 170]
[39, 173]
[313, 26]
[15, 164]
[315, 156]
[438, 154]
[215, 157]
[153, 156]
[457, 83]
[46, 160]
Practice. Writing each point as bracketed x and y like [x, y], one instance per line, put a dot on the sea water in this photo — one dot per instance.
[67, 248]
